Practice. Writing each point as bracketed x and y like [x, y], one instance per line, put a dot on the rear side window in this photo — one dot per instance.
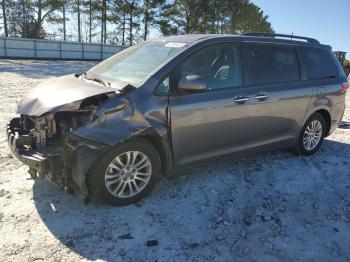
[270, 64]
[318, 63]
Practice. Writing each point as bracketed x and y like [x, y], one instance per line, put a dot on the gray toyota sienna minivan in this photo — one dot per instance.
[171, 103]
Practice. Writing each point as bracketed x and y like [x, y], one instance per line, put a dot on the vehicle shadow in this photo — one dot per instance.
[96, 231]
[39, 69]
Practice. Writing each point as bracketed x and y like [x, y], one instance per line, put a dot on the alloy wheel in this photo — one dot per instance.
[312, 135]
[128, 174]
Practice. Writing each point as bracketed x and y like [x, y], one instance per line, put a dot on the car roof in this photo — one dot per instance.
[251, 37]
[188, 38]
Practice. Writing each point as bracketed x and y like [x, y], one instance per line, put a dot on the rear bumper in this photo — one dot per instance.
[66, 165]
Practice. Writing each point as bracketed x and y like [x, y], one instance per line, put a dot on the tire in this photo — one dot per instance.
[108, 177]
[317, 135]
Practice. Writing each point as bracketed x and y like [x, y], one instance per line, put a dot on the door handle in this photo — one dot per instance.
[241, 99]
[261, 96]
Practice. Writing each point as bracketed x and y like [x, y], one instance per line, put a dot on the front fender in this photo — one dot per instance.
[113, 124]
[89, 143]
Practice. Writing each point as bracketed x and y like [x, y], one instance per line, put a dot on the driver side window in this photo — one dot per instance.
[219, 66]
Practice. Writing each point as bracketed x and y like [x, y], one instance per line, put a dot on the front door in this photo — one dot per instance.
[212, 122]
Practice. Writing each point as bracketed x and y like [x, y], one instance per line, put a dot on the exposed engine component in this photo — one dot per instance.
[68, 121]
[54, 126]
[44, 127]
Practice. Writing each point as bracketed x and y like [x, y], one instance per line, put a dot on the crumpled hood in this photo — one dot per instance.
[67, 91]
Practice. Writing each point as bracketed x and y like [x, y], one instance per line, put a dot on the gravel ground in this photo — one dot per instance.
[267, 207]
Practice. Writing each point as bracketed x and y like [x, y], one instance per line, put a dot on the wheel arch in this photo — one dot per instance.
[161, 144]
[327, 117]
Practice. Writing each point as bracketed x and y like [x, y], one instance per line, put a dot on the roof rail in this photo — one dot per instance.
[308, 39]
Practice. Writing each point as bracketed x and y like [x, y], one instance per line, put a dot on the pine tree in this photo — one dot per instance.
[151, 10]
[129, 21]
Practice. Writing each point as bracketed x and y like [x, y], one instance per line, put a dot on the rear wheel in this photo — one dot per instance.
[312, 134]
[126, 174]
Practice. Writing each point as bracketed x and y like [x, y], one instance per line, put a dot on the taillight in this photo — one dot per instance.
[345, 86]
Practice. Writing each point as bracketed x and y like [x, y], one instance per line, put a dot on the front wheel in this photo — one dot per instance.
[312, 134]
[126, 174]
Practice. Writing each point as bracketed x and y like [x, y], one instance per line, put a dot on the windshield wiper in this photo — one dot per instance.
[100, 81]
[82, 73]
[126, 89]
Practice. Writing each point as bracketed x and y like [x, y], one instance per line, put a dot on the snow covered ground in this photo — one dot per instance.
[267, 207]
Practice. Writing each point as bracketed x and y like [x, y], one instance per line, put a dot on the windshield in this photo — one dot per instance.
[137, 63]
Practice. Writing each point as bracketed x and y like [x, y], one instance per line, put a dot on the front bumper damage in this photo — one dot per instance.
[66, 165]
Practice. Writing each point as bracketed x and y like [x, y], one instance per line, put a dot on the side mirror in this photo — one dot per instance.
[192, 84]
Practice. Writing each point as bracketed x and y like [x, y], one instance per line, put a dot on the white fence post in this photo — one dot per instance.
[35, 52]
[5, 49]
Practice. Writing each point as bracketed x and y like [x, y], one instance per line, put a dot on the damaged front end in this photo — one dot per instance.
[46, 141]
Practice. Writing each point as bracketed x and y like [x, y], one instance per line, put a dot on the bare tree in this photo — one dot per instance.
[123, 26]
[90, 20]
[79, 25]
[88, 10]
[27, 18]
[120, 17]
[146, 19]
[104, 22]
[77, 8]
[133, 10]
[64, 20]
[3, 5]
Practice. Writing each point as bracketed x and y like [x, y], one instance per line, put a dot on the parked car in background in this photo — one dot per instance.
[176, 102]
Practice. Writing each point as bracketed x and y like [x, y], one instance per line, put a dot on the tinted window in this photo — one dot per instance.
[318, 63]
[270, 64]
[218, 65]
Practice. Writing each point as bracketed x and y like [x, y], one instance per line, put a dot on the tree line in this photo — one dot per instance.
[126, 22]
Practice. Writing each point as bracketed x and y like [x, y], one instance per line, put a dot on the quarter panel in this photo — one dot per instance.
[328, 96]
